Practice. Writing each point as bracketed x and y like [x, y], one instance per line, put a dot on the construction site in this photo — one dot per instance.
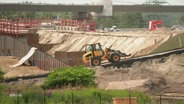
[152, 59]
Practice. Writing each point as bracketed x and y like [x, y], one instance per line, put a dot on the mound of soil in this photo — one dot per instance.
[153, 75]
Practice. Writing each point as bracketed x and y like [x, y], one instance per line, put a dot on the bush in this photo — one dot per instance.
[72, 76]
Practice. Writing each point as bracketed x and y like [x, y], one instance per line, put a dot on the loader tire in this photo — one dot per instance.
[95, 61]
[115, 58]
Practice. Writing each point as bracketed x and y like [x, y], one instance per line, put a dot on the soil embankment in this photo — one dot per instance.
[61, 42]
[20, 71]
[128, 42]
[153, 75]
[159, 75]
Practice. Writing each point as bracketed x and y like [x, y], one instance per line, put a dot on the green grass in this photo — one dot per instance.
[98, 96]
[172, 43]
[60, 96]
[35, 95]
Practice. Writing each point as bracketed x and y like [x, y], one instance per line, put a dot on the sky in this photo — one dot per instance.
[119, 2]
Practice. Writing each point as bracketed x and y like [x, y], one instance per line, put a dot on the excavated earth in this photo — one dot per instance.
[136, 43]
[154, 75]
[60, 44]
[21, 71]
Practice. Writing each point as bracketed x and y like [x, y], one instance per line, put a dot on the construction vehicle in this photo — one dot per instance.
[114, 29]
[154, 24]
[94, 54]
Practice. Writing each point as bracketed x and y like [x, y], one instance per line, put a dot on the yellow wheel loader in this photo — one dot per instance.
[95, 54]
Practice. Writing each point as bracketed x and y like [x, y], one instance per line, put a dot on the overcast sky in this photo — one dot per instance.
[130, 2]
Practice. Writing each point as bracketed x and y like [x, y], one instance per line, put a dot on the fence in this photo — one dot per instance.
[15, 47]
[40, 96]
[169, 99]
[69, 97]
[16, 27]
[19, 27]
[81, 25]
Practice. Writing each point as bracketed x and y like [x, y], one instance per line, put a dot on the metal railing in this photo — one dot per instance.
[16, 28]
[14, 47]
[20, 27]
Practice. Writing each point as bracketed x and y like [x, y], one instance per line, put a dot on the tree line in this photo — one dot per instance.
[122, 20]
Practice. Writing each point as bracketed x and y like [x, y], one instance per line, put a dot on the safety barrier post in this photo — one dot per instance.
[0, 26]
[61, 22]
[8, 27]
[66, 25]
[12, 28]
[2, 29]
[17, 28]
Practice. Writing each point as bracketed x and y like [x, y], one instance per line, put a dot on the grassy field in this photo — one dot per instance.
[172, 43]
[37, 95]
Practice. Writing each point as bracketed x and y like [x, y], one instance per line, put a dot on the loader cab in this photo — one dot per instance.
[95, 48]
[89, 48]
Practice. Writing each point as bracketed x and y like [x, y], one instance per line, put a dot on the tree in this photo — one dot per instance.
[131, 20]
[123, 20]
[181, 20]
[40, 15]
